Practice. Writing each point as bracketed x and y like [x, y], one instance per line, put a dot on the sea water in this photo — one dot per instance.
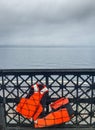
[49, 57]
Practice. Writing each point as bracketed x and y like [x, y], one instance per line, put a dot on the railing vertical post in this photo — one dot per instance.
[47, 84]
[2, 117]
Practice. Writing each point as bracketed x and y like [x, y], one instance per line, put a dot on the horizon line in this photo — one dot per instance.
[48, 45]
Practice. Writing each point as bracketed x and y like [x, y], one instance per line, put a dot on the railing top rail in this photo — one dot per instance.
[83, 70]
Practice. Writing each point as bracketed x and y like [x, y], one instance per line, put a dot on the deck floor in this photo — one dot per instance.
[18, 128]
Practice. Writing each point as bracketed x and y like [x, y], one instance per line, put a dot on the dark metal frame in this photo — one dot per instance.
[76, 84]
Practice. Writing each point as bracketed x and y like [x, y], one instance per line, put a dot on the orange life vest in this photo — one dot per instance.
[62, 112]
[31, 107]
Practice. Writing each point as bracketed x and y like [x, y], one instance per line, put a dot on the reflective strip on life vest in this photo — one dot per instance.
[36, 89]
[44, 90]
[53, 118]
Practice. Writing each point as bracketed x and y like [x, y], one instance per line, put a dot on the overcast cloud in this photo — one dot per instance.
[46, 22]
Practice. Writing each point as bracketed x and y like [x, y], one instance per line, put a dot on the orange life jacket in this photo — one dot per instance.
[31, 107]
[62, 112]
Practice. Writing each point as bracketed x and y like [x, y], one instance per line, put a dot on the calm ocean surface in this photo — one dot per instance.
[47, 57]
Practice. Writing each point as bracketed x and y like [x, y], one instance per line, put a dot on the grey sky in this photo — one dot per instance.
[47, 22]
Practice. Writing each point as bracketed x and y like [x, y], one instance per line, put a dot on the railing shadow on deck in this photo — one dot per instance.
[76, 84]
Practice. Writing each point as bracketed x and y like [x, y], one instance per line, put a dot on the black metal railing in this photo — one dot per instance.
[76, 84]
